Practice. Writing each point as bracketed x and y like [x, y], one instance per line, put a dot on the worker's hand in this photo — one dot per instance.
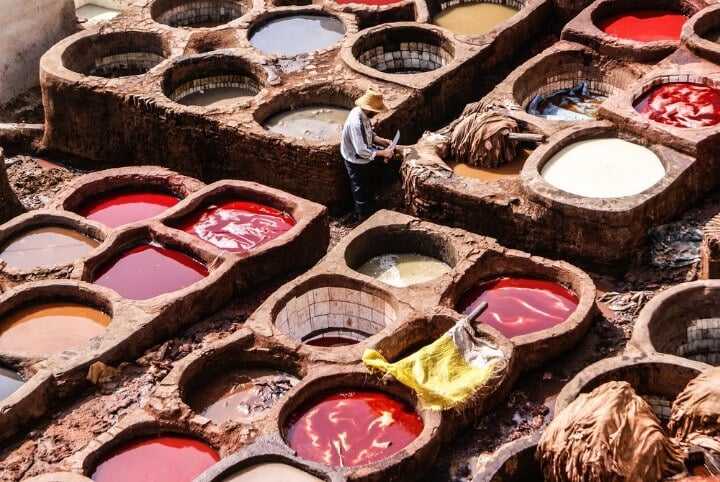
[386, 153]
[384, 142]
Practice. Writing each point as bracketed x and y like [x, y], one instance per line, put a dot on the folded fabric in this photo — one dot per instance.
[448, 371]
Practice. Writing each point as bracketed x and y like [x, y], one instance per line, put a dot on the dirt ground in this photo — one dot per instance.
[24, 109]
[527, 409]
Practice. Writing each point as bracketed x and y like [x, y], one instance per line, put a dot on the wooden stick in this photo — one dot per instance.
[526, 137]
[472, 316]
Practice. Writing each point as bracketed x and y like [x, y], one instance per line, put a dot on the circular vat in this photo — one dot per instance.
[52, 318]
[118, 207]
[235, 225]
[116, 54]
[327, 312]
[146, 269]
[569, 85]
[403, 50]
[464, 17]
[683, 321]
[197, 13]
[267, 466]
[602, 168]
[647, 21]
[292, 34]
[10, 381]
[657, 379]
[211, 81]
[401, 257]
[237, 384]
[513, 462]
[702, 33]
[43, 241]
[544, 307]
[685, 101]
[349, 420]
[315, 114]
[150, 457]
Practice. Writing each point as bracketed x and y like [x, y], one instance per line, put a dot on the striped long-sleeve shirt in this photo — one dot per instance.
[356, 145]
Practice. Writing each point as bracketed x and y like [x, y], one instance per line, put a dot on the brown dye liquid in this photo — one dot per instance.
[241, 394]
[50, 327]
[217, 97]
[473, 18]
[509, 170]
[46, 246]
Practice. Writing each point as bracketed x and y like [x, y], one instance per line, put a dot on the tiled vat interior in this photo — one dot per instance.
[214, 82]
[116, 55]
[189, 13]
[332, 310]
[597, 83]
[516, 4]
[404, 50]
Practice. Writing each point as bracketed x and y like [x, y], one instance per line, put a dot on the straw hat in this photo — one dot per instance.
[371, 100]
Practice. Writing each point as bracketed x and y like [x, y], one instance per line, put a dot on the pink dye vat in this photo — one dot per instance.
[352, 428]
[682, 104]
[148, 270]
[237, 226]
[644, 25]
[118, 208]
[518, 306]
[158, 459]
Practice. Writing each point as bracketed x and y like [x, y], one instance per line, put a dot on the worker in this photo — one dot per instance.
[360, 146]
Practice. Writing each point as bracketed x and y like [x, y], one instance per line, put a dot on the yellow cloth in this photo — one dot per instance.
[438, 373]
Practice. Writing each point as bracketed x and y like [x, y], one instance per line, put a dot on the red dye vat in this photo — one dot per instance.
[117, 208]
[237, 226]
[158, 459]
[352, 428]
[518, 306]
[644, 25]
[368, 2]
[682, 104]
[148, 270]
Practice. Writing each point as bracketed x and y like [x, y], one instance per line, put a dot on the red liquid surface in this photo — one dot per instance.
[368, 2]
[146, 271]
[237, 226]
[159, 459]
[352, 428]
[329, 341]
[118, 208]
[644, 25]
[518, 306]
[682, 104]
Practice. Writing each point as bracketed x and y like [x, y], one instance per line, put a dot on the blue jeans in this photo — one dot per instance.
[362, 185]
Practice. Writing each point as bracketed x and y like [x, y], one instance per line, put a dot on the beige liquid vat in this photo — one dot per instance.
[271, 471]
[46, 246]
[310, 123]
[404, 269]
[217, 97]
[473, 18]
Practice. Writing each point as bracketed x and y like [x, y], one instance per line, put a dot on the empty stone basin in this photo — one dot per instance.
[242, 394]
[115, 54]
[156, 459]
[237, 226]
[314, 123]
[474, 18]
[403, 50]
[334, 316]
[404, 269]
[196, 13]
[645, 25]
[264, 472]
[149, 270]
[511, 170]
[9, 382]
[681, 104]
[603, 168]
[46, 246]
[296, 34]
[519, 306]
[513, 462]
[50, 327]
[119, 207]
[369, 426]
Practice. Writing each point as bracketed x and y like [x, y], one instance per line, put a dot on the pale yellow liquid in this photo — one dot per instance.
[473, 18]
[95, 13]
[404, 269]
[218, 97]
[509, 170]
[271, 471]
